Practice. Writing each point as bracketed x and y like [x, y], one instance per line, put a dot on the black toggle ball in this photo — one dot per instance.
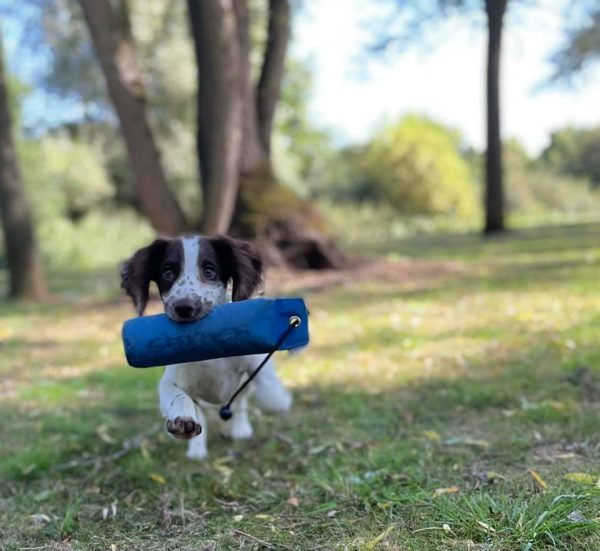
[225, 413]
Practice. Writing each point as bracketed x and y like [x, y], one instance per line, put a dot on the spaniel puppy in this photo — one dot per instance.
[193, 274]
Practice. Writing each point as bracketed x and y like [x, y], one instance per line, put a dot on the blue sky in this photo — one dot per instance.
[446, 81]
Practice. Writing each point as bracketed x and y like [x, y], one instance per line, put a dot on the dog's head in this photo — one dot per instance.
[192, 274]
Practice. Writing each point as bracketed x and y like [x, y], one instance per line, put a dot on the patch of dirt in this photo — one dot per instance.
[284, 280]
[573, 455]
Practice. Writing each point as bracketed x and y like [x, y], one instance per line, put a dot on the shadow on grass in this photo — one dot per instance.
[375, 456]
[463, 246]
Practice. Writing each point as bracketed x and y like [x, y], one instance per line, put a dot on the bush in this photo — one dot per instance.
[535, 189]
[575, 152]
[413, 167]
[100, 239]
[64, 178]
[78, 225]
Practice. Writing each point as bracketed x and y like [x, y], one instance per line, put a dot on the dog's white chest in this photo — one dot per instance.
[212, 381]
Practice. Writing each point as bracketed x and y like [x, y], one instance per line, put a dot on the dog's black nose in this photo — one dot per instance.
[184, 310]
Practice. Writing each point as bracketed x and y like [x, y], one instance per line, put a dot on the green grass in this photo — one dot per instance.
[453, 409]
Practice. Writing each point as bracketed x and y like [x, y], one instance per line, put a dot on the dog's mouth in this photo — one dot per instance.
[187, 316]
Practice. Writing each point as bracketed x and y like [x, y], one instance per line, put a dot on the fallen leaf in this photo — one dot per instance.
[28, 469]
[432, 435]
[102, 433]
[542, 484]
[486, 526]
[566, 455]
[442, 491]
[468, 441]
[576, 516]
[43, 496]
[238, 518]
[157, 478]
[371, 544]
[584, 478]
[293, 501]
[262, 516]
[331, 514]
[487, 477]
[38, 520]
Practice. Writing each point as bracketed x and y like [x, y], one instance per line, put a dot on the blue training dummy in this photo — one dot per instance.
[241, 328]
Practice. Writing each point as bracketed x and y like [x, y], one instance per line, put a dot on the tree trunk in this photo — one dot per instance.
[494, 192]
[26, 272]
[234, 127]
[269, 85]
[219, 134]
[253, 154]
[111, 34]
[288, 229]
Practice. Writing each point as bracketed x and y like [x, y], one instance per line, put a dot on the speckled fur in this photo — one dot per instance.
[187, 391]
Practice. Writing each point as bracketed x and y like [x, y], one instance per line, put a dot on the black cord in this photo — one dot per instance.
[225, 412]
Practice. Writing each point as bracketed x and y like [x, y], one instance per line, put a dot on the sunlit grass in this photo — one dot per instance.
[423, 406]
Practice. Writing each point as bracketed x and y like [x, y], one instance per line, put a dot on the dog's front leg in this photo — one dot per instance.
[238, 427]
[184, 418]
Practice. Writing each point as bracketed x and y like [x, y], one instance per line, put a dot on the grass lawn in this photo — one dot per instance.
[453, 407]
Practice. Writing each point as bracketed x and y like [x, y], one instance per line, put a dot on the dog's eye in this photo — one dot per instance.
[167, 275]
[209, 273]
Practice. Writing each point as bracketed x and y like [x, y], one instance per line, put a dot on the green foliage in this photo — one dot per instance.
[575, 152]
[77, 222]
[355, 225]
[73, 71]
[582, 42]
[415, 167]
[64, 177]
[100, 239]
[537, 186]
[303, 154]
[542, 191]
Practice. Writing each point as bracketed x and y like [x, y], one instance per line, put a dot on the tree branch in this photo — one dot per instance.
[116, 51]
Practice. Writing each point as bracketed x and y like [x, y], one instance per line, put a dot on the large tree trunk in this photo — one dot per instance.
[26, 272]
[235, 122]
[288, 229]
[219, 138]
[494, 192]
[269, 84]
[111, 33]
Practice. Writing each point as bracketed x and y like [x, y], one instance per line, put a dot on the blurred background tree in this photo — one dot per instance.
[581, 46]
[288, 181]
[415, 166]
[27, 279]
[575, 152]
[407, 24]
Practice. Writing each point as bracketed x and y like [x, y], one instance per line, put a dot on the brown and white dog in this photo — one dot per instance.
[193, 274]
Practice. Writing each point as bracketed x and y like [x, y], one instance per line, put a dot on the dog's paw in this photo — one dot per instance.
[183, 428]
[197, 454]
[241, 431]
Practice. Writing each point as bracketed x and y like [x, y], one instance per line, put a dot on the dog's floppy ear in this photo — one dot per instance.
[240, 262]
[139, 270]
